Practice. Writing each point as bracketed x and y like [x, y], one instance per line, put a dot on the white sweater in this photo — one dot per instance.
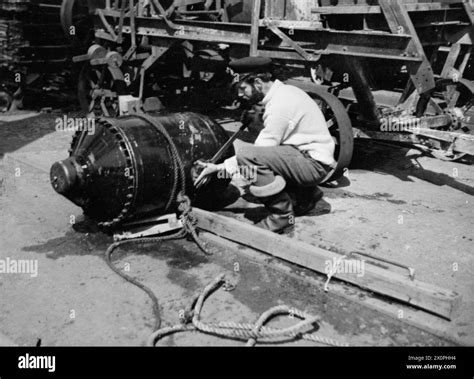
[293, 118]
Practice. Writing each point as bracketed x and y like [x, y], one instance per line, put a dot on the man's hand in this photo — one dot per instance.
[208, 169]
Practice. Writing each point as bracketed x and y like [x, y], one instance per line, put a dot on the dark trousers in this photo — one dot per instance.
[296, 167]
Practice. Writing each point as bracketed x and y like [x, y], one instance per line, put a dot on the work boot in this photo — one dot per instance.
[281, 213]
[305, 199]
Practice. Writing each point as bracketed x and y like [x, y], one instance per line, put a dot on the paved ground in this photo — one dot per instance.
[76, 300]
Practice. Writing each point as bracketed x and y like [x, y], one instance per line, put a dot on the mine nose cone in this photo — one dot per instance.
[63, 176]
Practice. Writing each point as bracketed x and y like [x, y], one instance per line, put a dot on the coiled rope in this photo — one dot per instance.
[253, 333]
[186, 216]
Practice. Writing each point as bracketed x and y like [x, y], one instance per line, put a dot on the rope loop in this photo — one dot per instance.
[252, 333]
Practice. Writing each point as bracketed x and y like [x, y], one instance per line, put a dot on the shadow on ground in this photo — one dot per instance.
[177, 254]
[16, 134]
[381, 158]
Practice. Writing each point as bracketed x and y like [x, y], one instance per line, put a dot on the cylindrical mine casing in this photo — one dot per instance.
[124, 169]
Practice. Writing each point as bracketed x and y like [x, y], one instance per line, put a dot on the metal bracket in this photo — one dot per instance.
[142, 228]
[163, 14]
[156, 53]
[411, 270]
[111, 34]
[307, 56]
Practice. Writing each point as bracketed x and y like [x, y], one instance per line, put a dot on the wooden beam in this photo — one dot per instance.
[254, 32]
[375, 9]
[461, 143]
[451, 59]
[399, 21]
[422, 295]
[414, 317]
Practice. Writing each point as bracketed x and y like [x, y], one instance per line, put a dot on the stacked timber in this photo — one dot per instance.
[33, 44]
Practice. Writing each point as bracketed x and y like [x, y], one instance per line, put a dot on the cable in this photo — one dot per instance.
[191, 322]
[186, 217]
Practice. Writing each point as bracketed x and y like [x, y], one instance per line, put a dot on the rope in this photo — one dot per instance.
[186, 216]
[148, 291]
[253, 333]
[334, 269]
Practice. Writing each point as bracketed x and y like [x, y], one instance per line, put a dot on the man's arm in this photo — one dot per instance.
[272, 134]
[230, 165]
[275, 127]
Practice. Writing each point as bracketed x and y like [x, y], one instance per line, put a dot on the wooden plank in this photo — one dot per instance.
[299, 10]
[375, 9]
[275, 9]
[399, 21]
[462, 143]
[451, 59]
[348, 9]
[254, 32]
[342, 3]
[295, 25]
[307, 56]
[397, 311]
[191, 34]
[422, 295]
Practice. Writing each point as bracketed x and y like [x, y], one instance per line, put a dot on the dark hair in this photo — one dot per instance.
[251, 77]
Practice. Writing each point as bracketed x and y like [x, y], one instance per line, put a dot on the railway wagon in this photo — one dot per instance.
[394, 70]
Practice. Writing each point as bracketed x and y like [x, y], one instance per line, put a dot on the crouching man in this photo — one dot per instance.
[292, 154]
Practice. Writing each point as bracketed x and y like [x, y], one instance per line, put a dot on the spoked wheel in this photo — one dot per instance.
[455, 98]
[76, 21]
[340, 127]
[99, 89]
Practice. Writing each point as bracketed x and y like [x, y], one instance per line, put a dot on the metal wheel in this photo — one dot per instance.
[76, 21]
[455, 98]
[339, 125]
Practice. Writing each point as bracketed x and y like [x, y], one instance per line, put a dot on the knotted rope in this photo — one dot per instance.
[252, 333]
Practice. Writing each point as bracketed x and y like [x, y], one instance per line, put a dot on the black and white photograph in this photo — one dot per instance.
[235, 173]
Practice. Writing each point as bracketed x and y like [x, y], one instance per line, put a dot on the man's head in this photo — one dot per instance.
[254, 87]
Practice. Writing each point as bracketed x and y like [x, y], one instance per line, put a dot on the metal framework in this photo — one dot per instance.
[408, 61]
